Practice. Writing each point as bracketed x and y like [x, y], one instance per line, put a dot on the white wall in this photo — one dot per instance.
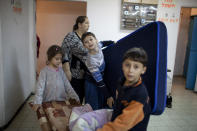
[16, 46]
[104, 16]
[1, 78]
[104, 19]
[32, 44]
[173, 29]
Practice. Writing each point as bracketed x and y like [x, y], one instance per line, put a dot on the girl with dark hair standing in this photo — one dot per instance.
[75, 55]
[53, 84]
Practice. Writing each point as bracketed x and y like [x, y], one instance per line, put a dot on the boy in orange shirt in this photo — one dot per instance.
[132, 107]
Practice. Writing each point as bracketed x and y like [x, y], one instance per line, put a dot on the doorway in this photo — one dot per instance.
[184, 35]
[182, 41]
[54, 19]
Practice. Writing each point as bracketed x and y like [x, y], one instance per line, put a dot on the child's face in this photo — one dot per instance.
[56, 60]
[90, 43]
[132, 71]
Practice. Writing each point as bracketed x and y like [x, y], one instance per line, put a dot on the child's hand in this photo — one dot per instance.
[116, 94]
[67, 102]
[110, 102]
[74, 102]
[34, 106]
[78, 102]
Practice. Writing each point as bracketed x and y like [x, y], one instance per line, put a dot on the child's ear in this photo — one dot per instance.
[144, 70]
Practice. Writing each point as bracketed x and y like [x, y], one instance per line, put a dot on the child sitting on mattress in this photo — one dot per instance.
[96, 91]
[132, 107]
[53, 84]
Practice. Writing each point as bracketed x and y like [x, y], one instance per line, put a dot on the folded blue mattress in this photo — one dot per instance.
[153, 39]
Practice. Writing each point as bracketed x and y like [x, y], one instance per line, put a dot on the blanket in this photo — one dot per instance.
[85, 119]
[54, 116]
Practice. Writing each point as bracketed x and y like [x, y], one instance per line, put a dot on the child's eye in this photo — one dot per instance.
[127, 65]
[58, 58]
[135, 66]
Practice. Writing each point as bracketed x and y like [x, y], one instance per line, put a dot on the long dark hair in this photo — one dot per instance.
[80, 19]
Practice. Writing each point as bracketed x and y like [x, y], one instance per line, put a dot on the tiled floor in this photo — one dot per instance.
[181, 117]
[183, 114]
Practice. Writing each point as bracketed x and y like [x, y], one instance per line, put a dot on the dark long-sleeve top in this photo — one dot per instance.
[132, 109]
[75, 54]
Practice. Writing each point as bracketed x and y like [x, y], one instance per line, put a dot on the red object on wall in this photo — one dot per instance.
[38, 45]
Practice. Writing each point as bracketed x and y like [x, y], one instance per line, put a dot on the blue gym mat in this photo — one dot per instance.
[153, 39]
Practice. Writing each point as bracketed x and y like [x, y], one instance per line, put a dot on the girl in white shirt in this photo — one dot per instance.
[53, 84]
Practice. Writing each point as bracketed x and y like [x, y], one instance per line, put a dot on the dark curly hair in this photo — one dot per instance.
[136, 54]
[53, 50]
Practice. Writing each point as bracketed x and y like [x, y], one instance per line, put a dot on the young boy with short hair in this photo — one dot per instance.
[96, 91]
[132, 107]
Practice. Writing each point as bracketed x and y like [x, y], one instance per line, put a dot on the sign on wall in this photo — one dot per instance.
[135, 13]
[169, 11]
